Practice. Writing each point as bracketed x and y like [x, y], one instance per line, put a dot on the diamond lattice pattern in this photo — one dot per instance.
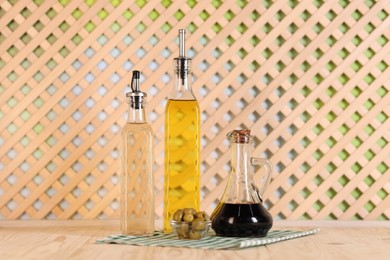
[310, 78]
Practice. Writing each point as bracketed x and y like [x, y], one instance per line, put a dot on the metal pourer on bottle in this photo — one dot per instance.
[182, 63]
[136, 96]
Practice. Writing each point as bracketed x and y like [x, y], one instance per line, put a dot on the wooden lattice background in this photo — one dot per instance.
[310, 78]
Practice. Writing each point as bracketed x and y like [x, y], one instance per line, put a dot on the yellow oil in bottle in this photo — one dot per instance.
[182, 162]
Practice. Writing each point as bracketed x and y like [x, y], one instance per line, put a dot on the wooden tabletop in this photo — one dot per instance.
[76, 240]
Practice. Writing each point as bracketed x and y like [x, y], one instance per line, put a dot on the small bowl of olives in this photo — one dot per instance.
[189, 224]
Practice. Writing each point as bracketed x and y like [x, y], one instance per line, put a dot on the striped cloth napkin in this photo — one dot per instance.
[209, 242]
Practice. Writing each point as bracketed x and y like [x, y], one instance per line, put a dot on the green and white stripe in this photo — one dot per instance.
[209, 242]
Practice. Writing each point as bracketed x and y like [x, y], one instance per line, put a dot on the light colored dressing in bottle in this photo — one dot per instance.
[137, 182]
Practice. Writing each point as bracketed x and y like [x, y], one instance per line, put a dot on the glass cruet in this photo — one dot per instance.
[137, 170]
[240, 211]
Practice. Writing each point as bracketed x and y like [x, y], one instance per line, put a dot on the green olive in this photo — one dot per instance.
[195, 234]
[198, 224]
[178, 215]
[189, 211]
[188, 217]
[202, 214]
[182, 231]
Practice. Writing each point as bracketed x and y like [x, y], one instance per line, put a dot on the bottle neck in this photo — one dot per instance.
[240, 187]
[136, 113]
[241, 157]
[183, 89]
[183, 80]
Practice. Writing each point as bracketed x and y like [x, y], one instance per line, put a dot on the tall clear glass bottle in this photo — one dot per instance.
[137, 181]
[182, 142]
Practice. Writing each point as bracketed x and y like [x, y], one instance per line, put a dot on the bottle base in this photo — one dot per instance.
[241, 220]
[243, 231]
[148, 233]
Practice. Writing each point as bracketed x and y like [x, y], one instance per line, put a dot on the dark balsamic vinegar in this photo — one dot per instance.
[241, 220]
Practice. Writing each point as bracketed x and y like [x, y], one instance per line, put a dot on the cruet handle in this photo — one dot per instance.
[268, 172]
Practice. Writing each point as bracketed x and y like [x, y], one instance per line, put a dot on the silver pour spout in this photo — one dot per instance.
[135, 81]
[182, 36]
[182, 63]
[136, 96]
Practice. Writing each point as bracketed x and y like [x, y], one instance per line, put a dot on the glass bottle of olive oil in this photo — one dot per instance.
[182, 142]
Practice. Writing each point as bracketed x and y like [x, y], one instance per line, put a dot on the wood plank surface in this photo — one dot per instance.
[75, 240]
